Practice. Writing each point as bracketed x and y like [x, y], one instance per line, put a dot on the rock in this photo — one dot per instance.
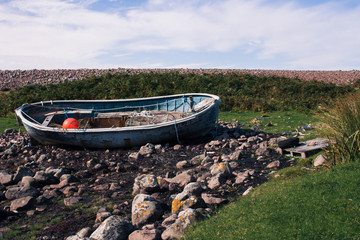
[247, 191]
[210, 199]
[241, 177]
[274, 141]
[145, 234]
[28, 181]
[235, 156]
[252, 139]
[184, 201]
[216, 181]
[21, 192]
[274, 164]
[21, 204]
[72, 200]
[194, 188]
[136, 156]
[66, 179]
[177, 147]
[145, 209]
[197, 160]
[85, 232]
[222, 168]
[169, 220]
[146, 183]
[185, 218]
[113, 228]
[182, 164]
[148, 149]
[182, 179]
[44, 178]
[6, 178]
[207, 161]
[319, 160]
[42, 158]
[101, 216]
[21, 172]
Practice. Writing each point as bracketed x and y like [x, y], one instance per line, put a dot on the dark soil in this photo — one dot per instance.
[54, 220]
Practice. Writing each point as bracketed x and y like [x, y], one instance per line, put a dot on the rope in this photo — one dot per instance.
[176, 131]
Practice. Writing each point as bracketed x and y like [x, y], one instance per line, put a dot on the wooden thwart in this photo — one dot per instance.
[308, 146]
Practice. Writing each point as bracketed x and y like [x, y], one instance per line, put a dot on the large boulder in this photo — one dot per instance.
[185, 218]
[146, 183]
[145, 209]
[20, 192]
[190, 197]
[22, 203]
[113, 228]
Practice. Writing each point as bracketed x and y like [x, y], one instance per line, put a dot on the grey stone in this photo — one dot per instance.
[274, 164]
[45, 178]
[182, 179]
[28, 181]
[319, 160]
[113, 228]
[6, 178]
[145, 209]
[21, 204]
[145, 234]
[21, 172]
[222, 168]
[185, 218]
[182, 164]
[149, 148]
[146, 183]
[20, 192]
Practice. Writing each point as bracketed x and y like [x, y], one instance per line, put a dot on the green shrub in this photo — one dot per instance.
[242, 92]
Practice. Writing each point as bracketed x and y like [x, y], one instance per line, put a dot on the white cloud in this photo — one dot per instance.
[67, 34]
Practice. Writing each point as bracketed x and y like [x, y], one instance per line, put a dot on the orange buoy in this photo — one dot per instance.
[70, 123]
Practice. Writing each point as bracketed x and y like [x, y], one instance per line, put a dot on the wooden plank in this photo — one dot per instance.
[308, 146]
[47, 120]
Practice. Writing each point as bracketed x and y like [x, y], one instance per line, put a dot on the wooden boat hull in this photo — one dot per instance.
[192, 126]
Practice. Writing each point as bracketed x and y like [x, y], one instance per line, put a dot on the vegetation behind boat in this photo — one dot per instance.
[239, 92]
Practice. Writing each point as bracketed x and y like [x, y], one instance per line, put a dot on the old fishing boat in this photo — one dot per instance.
[120, 123]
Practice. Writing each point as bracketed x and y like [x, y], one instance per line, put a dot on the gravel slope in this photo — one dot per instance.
[10, 79]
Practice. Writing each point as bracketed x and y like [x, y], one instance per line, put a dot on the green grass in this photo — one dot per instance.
[323, 205]
[281, 122]
[8, 123]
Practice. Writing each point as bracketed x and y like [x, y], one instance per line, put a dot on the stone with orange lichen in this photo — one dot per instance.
[145, 183]
[144, 210]
[222, 168]
[185, 218]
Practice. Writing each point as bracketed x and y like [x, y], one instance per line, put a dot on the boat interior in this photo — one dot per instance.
[113, 115]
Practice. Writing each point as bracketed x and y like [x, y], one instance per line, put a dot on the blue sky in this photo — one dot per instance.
[235, 34]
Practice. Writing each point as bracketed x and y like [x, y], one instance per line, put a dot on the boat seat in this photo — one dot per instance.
[47, 120]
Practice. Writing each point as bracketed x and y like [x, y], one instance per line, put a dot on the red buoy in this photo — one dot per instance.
[70, 123]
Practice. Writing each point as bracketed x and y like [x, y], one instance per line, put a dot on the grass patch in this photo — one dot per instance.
[6, 123]
[323, 205]
[279, 122]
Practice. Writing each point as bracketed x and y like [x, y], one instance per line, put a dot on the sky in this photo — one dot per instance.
[222, 34]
